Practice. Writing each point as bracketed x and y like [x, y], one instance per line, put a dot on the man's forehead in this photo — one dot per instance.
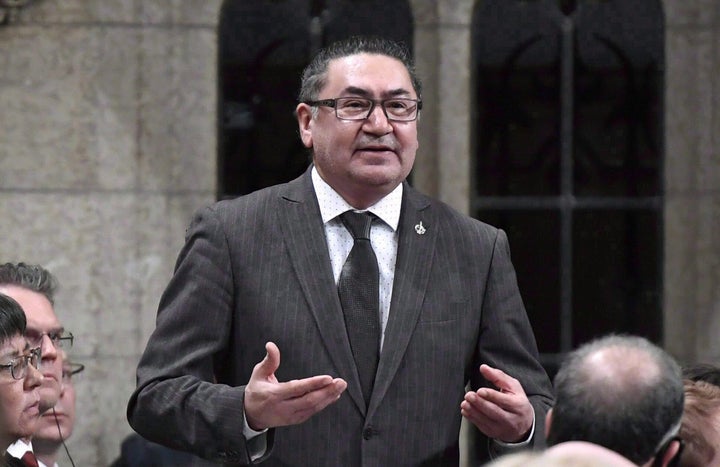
[38, 310]
[371, 72]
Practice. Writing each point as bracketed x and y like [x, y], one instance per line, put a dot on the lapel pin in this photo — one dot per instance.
[420, 229]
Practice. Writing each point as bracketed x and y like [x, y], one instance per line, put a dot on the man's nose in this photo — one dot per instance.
[49, 351]
[377, 121]
[33, 378]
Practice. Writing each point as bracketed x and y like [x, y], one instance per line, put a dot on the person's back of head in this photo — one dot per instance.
[568, 454]
[621, 392]
[701, 425]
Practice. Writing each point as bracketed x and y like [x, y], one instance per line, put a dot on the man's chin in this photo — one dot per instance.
[48, 399]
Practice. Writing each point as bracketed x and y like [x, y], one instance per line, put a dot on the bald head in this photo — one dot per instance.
[621, 392]
[570, 454]
[620, 371]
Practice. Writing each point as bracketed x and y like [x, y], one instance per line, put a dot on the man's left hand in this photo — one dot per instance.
[504, 414]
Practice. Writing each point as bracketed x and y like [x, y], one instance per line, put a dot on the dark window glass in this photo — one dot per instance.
[264, 46]
[568, 160]
[615, 283]
[535, 234]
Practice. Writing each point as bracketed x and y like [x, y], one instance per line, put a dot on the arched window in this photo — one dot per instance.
[264, 46]
[568, 160]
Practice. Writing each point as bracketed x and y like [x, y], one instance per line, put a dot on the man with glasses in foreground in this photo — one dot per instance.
[383, 302]
[19, 380]
[56, 425]
[621, 392]
[33, 287]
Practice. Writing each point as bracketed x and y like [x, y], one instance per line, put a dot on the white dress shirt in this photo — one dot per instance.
[20, 447]
[383, 236]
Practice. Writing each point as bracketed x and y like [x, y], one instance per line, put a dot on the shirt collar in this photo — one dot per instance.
[18, 448]
[332, 204]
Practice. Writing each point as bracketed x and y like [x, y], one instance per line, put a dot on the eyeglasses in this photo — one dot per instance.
[360, 108]
[59, 339]
[19, 365]
[71, 369]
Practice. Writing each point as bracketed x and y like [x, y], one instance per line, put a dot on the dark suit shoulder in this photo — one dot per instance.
[10, 461]
[298, 190]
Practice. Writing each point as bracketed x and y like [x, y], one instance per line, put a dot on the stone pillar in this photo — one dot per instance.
[692, 178]
[108, 144]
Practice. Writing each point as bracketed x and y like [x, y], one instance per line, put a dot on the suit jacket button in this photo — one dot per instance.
[367, 433]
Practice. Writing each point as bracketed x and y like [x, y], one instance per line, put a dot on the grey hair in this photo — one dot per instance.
[29, 276]
[314, 77]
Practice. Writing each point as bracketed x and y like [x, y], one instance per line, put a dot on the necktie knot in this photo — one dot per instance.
[358, 223]
[29, 459]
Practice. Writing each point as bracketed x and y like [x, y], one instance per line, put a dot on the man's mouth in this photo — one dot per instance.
[34, 407]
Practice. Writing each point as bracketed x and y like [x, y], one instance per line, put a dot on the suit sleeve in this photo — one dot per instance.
[177, 402]
[506, 338]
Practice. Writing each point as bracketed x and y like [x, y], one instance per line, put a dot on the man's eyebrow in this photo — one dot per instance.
[365, 93]
[58, 330]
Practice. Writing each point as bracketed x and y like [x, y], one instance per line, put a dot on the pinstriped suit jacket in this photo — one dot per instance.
[257, 269]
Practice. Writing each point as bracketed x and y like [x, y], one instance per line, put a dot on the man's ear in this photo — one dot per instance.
[548, 422]
[670, 452]
[305, 123]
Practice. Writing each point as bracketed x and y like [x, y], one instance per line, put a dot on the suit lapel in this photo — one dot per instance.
[417, 234]
[300, 220]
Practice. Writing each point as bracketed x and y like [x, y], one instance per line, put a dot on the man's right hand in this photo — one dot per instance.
[270, 403]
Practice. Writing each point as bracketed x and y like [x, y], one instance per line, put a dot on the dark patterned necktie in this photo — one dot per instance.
[358, 288]
[29, 459]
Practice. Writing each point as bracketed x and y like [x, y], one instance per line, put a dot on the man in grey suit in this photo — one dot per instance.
[258, 278]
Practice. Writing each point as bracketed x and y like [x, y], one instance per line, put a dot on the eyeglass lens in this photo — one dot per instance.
[20, 364]
[58, 339]
[355, 108]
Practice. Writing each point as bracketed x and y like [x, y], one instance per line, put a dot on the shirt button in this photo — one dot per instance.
[367, 433]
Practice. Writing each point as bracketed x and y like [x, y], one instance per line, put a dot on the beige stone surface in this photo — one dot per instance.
[177, 12]
[68, 118]
[177, 113]
[690, 12]
[164, 220]
[425, 171]
[79, 11]
[456, 12]
[689, 111]
[113, 255]
[681, 276]
[101, 423]
[182, 12]
[454, 118]
[708, 285]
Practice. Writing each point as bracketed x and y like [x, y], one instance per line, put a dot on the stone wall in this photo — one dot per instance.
[692, 174]
[107, 146]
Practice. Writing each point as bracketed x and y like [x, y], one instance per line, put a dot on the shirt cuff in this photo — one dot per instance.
[509, 446]
[257, 441]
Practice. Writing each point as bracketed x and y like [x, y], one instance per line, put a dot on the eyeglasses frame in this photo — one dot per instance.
[57, 342]
[32, 353]
[74, 369]
[333, 104]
